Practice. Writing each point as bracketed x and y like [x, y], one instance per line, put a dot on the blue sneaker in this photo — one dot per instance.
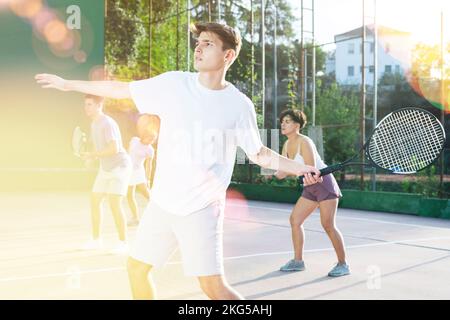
[293, 265]
[339, 270]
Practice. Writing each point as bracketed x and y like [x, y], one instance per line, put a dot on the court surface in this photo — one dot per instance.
[391, 256]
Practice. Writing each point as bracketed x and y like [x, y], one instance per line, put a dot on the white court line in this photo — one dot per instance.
[47, 170]
[62, 274]
[67, 274]
[378, 244]
[345, 217]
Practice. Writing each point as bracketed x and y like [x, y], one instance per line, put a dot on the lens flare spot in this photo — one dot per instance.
[4, 3]
[97, 73]
[25, 8]
[68, 47]
[55, 31]
[236, 205]
[80, 56]
[41, 20]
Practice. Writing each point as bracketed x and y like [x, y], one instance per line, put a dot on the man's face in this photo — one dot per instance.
[209, 55]
[91, 108]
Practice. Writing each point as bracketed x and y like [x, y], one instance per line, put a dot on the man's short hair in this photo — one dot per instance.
[97, 99]
[230, 37]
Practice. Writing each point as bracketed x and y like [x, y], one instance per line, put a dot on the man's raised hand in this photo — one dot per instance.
[51, 81]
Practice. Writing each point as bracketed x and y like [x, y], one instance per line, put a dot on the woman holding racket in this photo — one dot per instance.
[324, 195]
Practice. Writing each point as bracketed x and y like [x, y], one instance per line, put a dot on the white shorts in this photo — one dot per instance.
[138, 177]
[199, 236]
[112, 182]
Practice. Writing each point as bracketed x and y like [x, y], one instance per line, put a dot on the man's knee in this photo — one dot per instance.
[114, 199]
[137, 268]
[96, 198]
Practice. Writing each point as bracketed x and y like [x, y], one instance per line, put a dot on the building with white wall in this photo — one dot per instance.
[394, 54]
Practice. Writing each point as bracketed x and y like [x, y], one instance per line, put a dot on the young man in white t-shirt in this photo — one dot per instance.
[204, 119]
[113, 175]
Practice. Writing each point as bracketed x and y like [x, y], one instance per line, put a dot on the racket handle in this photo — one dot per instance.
[325, 171]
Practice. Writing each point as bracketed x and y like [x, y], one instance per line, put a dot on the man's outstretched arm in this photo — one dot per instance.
[269, 159]
[107, 89]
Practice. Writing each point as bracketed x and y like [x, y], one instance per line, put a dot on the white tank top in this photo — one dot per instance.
[298, 157]
[139, 152]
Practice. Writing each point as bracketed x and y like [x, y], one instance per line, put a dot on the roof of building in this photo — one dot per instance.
[382, 31]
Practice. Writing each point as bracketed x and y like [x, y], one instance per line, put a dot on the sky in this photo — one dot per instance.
[421, 18]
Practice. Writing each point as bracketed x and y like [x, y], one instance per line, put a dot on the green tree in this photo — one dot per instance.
[338, 113]
[394, 91]
[123, 32]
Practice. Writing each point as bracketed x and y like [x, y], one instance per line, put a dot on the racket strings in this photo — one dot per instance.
[416, 143]
[78, 141]
[383, 154]
[408, 148]
[406, 141]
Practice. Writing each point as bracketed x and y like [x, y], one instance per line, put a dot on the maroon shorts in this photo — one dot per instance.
[326, 190]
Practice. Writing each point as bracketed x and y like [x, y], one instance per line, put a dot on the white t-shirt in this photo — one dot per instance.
[199, 135]
[139, 152]
[104, 130]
